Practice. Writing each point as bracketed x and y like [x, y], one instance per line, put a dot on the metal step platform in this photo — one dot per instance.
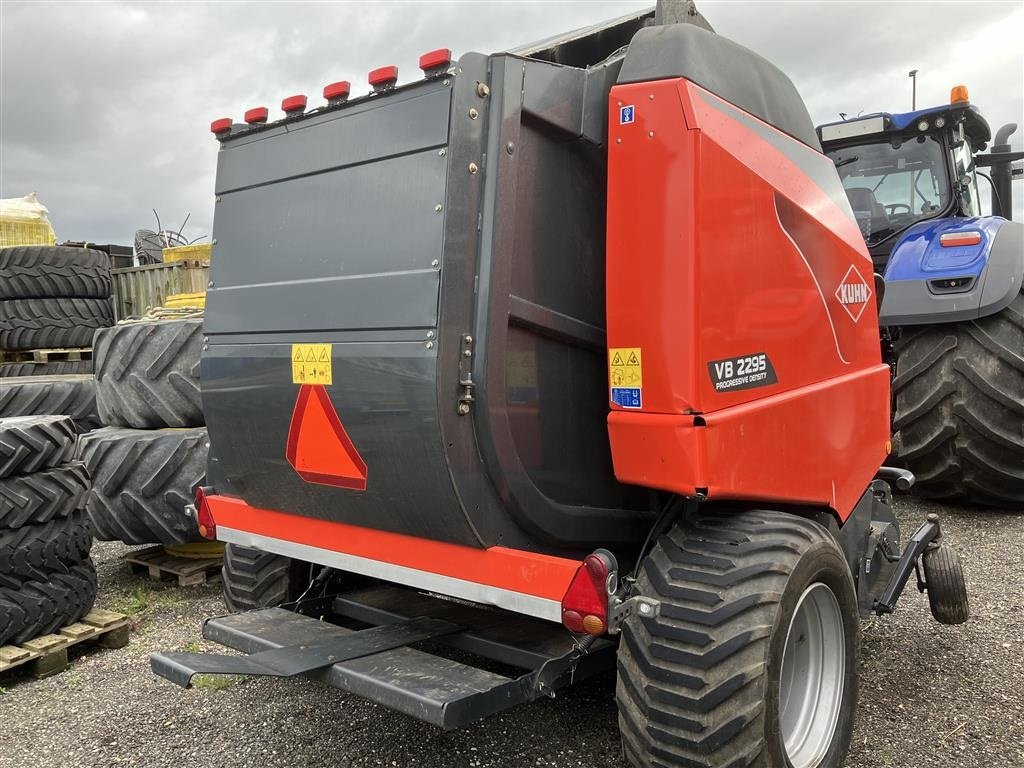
[377, 663]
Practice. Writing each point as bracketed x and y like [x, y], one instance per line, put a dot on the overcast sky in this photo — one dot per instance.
[105, 107]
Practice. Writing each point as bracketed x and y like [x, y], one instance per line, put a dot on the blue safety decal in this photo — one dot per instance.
[628, 397]
[626, 114]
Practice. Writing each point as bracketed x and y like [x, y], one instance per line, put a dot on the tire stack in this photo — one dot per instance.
[47, 579]
[147, 463]
[51, 297]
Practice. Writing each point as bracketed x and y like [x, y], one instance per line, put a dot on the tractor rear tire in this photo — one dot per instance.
[706, 682]
[56, 368]
[52, 323]
[40, 497]
[41, 606]
[257, 579]
[48, 271]
[72, 396]
[33, 443]
[959, 408]
[142, 480]
[147, 374]
[31, 550]
[946, 587]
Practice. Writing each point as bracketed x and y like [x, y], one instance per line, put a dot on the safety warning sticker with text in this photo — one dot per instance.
[626, 376]
[311, 364]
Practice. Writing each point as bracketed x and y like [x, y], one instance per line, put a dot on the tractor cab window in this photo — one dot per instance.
[892, 185]
[963, 163]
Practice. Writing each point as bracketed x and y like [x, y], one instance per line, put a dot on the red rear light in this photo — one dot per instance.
[436, 62]
[585, 605]
[337, 92]
[221, 127]
[204, 515]
[384, 77]
[953, 239]
[257, 115]
[294, 105]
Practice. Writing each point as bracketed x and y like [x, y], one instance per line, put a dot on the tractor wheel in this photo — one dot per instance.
[29, 551]
[959, 412]
[56, 368]
[946, 587]
[33, 443]
[142, 480]
[72, 396]
[41, 606]
[42, 496]
[48, 271]
[753, 658]
[52, 323]
[147, 374]
[256, 579]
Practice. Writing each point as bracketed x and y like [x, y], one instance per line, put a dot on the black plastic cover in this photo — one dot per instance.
[724, 68]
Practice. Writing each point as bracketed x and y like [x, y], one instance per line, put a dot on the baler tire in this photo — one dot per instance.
[71, 396]
[34, 443]
[698, 685]
[52, 323]
[55, 368]
[41, 606]
[946, 587]
[256, 579]
[959, 408]
[50, 271]
[37, 498]
[142, 480]
[147, 374]
[31, 550]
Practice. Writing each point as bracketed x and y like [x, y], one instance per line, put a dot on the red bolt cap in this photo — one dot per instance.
[223, 125]
[256, 115]
[295, 103]
[337, 91]
[435, 60]
[383, 77]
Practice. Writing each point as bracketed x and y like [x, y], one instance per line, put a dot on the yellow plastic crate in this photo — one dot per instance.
[180, 300]
[25, 232]
[198, 251]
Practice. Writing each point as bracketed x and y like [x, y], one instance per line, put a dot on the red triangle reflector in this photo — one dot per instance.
[319, 448]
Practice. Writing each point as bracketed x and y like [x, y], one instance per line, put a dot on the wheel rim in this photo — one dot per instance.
[813, 671]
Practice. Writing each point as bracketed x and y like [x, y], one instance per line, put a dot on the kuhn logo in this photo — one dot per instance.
[854, 293]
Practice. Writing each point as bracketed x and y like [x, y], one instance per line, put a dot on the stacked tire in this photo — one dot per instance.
[147, 463]
[47, 579]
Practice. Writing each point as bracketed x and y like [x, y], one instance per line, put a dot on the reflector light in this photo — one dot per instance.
[953, 239]
[223, 125]
[257, 115]
[318, 446]
[585, 605]
[435, 62]
[204, 515]
[294, 104]
[336, 92]
[958, 94]
[923, 125]
[383, 77]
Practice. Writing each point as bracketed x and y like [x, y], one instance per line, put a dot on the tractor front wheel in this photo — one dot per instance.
[752, 659]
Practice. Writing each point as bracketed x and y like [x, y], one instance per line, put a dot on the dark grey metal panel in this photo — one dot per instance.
[371, 131]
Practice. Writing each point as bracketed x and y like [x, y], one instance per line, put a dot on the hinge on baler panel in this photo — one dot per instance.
[466, 384]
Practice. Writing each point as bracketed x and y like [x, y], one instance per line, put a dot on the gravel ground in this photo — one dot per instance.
[930, 695]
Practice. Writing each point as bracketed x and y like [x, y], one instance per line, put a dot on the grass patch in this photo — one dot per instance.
[217, 682]
[142, 602]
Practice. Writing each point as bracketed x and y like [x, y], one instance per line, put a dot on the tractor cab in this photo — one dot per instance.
[899, 170]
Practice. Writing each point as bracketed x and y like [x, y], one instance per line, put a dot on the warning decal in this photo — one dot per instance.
[626, 376]
[311, 364]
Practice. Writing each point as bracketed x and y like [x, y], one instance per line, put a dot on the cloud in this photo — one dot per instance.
[104, 107]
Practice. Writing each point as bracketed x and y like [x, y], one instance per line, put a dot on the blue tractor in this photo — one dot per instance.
[951, 300]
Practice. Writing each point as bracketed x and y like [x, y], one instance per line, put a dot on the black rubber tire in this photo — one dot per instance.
[698, 685]
[147, 374]
[73, 396]
[256, 579]
[947, 589]
[56, 368]
[47, 271]
[33, 443]
[142, 480]
[50, 494]
[41, 606]
[52, 323]
[959, 408]
[30, 551]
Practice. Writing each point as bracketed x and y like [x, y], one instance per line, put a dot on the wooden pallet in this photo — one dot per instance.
[44, 355]
[189, 571]
[48, 655]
